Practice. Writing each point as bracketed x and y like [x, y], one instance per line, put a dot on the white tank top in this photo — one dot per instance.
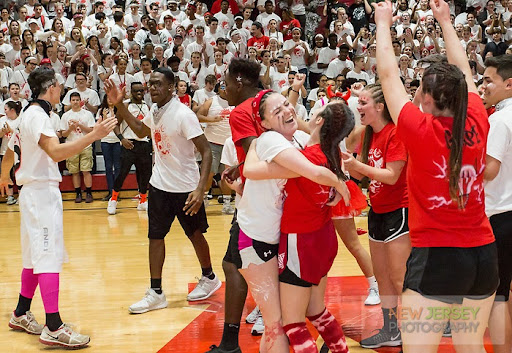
[218, 132]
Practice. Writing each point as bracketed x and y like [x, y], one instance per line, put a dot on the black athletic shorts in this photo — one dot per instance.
[386, 227]
[164, 206]
[502, 228]
[287, 276]
[451, 274]
[232, 253]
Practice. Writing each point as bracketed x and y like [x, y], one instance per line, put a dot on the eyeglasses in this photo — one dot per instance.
[31, 63]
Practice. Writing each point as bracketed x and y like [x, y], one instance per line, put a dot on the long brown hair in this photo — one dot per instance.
[447, 86]
[378, 97]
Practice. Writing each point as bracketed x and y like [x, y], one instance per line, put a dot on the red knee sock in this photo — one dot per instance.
[115, 195]
[330, 331]
[300, 338]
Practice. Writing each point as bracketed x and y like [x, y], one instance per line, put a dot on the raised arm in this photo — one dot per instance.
[454, 51]
[138, 127]
[290, 163]
[394, 91]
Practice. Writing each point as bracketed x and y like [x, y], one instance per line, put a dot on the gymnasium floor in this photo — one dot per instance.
[108, 271]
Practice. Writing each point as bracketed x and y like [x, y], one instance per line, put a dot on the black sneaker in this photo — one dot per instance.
[215, 349]
[107, 197]
[383, 339]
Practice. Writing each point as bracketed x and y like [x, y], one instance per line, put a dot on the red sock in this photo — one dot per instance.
[330, 331]
[300, 338]
[115, 195]
[143, 198]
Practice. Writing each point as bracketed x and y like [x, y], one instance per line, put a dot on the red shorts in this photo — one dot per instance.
[305, 258]
[357, 203]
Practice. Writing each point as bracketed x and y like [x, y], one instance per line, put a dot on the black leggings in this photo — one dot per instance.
[140, 155]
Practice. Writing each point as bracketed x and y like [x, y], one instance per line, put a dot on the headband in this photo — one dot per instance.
[345, 96]
[256, 105]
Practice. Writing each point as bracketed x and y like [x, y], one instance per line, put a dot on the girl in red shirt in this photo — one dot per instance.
[453, 262]
[383, 159]
[181, 90]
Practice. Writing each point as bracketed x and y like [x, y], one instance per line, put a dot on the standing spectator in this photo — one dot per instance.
[75, 124]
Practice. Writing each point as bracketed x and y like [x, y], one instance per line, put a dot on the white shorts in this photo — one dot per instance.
[42, 240]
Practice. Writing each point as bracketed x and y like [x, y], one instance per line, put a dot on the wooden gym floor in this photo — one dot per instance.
[108, 271]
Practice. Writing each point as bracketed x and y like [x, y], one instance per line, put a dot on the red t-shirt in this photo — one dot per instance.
[435, 220]
[243, 125]
[185, 100]
[259, 43]
[305, 207]
[386, 147]
[288, 26]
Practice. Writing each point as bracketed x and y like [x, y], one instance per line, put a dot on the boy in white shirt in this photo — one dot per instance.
[75, 124]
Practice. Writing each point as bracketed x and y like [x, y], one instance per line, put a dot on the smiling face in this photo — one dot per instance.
[494, 87]
[279, 115]
[368, 109]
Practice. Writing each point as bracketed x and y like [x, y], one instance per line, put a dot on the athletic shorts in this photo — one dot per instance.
[42, 240]
[305, 258]
[386, 227]
[81, 162]
[232, 253]
[216, 155]
[451, 274]
[502, 229]
[164, 206]
[254, 251]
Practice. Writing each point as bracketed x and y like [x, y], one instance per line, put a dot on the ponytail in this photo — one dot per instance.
[338, 123]
[447, 86]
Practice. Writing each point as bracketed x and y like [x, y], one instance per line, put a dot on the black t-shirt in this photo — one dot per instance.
[358, 17]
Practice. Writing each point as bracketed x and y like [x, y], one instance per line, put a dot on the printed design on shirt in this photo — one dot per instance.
[468, 182]
[226, 112]
[298, 51]
[281, 83]
[17, 150]
[359, 13]
[375, 159]
[140, 116]
[161, 141]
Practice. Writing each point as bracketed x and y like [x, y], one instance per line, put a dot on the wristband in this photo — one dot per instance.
[295, 91]
[120, 137]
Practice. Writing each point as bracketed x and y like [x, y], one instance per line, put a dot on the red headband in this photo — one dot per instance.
[256, 105]
[345, 96]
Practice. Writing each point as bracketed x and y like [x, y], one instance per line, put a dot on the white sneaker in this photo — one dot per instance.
[142, 206]
[27, 323]
[151, 301]
[112, 205]
[259, 327]
[373, 297]
[204, 289]
[11, 200]
[64, 337]
[253, 316]
[228, 209]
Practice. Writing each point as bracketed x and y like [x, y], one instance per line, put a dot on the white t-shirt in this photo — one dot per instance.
[298, 54]
[85, 118]
[261, 207]
[217, 132]
[230, 159]
[359, 76]
[13, 125]
[337, 66]
[140, 111]
[88, 94]
[279, 80]
[173, 127]
[20, 77]
[202, 95]
[498, 192]
[37, 165]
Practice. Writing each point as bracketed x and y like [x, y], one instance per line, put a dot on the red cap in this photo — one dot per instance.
[45, 61]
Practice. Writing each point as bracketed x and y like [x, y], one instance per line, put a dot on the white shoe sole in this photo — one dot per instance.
[208, 295]
[161, 306]
[111, 213]
[62, 344]
[16, 327]
[257, 333]
[383, 344]
[371, 303]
